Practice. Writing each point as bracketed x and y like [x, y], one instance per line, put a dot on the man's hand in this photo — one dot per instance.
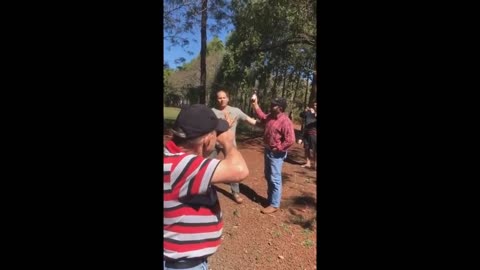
[254, 100]
[229, 120]
[255, 103]
[226, 138]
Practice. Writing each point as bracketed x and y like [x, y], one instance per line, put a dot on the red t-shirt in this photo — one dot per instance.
[192, 220]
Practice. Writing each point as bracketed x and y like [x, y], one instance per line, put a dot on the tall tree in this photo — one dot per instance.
[185, 16]
[203, 55]
[273, 25]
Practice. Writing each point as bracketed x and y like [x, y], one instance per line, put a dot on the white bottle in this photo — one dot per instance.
[254, 96]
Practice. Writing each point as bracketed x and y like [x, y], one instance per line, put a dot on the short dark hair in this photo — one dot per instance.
[281, 102]
[221, 90]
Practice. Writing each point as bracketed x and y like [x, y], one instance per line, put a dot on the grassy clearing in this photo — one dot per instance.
[308, 243]
[169, 116]
[170, 113]
[285, 227]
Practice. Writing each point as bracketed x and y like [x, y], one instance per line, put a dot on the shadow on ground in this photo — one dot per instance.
[293, 161]
[298, 219]
[297, 206]
[252, 195]
[245, 191]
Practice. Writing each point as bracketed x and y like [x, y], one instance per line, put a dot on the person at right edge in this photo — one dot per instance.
[279, 135]
[309, 136]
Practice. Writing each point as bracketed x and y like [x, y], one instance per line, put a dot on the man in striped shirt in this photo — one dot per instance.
[279, 135]
[192, 220]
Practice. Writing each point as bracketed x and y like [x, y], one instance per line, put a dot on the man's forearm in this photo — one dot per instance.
[251, 121]
[259, 112]
[233, 156]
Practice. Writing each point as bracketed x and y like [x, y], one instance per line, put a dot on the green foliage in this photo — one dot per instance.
[216, 45]
[274, 42]
[184, 17]
[308, 243]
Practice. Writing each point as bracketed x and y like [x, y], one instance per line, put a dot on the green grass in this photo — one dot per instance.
[170, 113]
[276, 234]
[307, 231]
[285, 227]
[308, 243]
[169, 116]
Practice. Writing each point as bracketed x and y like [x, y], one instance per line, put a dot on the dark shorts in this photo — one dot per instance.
[310, 142]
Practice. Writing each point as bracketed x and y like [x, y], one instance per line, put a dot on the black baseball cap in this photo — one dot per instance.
[280, 102]
[197, 120]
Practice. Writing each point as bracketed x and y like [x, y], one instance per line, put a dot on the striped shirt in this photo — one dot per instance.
[192, 220]
[279, 132]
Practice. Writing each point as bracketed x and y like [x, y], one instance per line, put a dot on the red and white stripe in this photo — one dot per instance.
[192, 218]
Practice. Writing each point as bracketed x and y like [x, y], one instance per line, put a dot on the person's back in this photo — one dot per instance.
[192, 218]
[191, 208]
[309, 134]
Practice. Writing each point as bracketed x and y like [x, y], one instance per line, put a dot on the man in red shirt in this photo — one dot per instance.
[192, 220]
[279, 135]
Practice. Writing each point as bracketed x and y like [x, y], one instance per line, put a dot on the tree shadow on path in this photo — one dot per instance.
[295, 205]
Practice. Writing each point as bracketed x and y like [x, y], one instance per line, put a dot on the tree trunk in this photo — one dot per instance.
[313, 93]
[296, 87]
[284, 80]
[290, 85]
[275, 81]
[305, 97]
[203, 54]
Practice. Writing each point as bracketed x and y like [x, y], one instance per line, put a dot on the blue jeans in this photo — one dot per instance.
[202, 266]
[273, 174]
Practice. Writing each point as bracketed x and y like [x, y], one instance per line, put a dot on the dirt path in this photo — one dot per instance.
[283, 240]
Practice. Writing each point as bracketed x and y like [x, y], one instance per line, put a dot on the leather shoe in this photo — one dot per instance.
[268, 210]
[237, 198]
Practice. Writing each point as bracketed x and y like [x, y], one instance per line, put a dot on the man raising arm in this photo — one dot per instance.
[192, 219]
[279, 135]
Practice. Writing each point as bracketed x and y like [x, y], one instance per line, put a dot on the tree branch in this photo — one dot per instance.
[300, 39]
[183, 4]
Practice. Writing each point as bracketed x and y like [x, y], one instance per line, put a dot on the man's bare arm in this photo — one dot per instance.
[251, 121]
[233, 168]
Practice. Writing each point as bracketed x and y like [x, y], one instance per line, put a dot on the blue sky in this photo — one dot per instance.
[171, 53]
